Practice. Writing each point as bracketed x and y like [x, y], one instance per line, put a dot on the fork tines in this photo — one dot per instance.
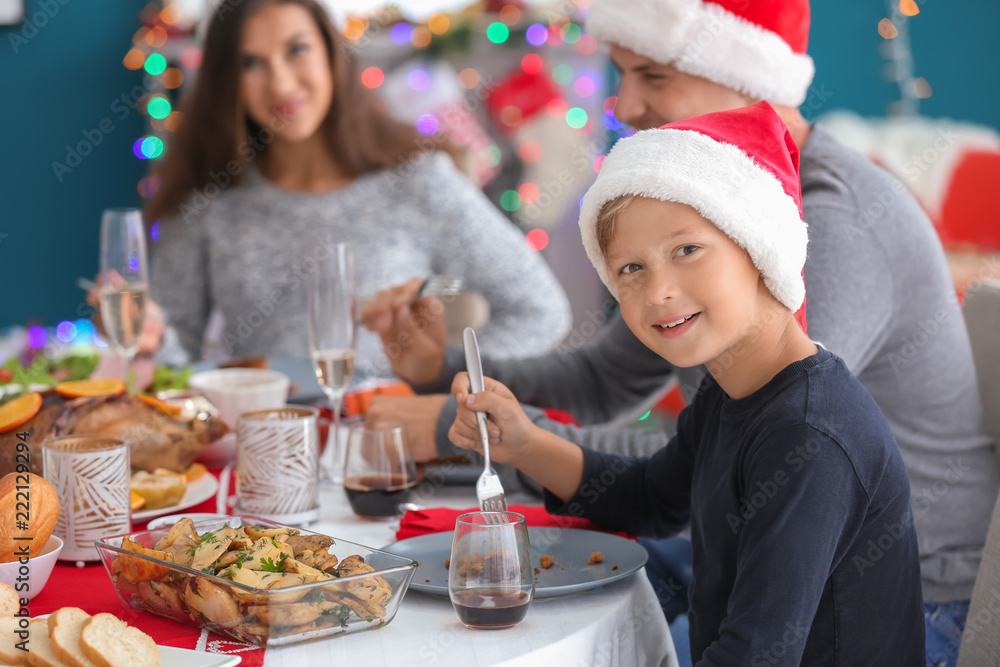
[441, 286]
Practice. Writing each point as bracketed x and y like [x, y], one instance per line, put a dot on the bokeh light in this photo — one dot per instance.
[584, 86]
[421, 38]
[84, 332]
[468, 78]
[562, 74]
[372, 77]
[65, 331]
[510, 201]
[557, 107]
[156, 37]
[37, 337]
[576, 118]
[528, 192]
[908, 7]
[511, 116]
[490, 156]
[555, 36]
[586, 45]
[427, 124]
[154, 231]
[510, 14]
[887, 29]
[158, 107]
[610, 102]
[172, 78]
[137, 148]
[572, 33]
[530, 151]
[537, 239]
[598, 162]
[354, 28]
[134, 59]
[532, 63]
[173, 121]
[151, 147]
[148, 187]
[418, 79]
[191, 57]
[439, 24]
[536, 34]
[401, 33]
[171, 14]
[155, 64]
[497, 32]
[611, 122]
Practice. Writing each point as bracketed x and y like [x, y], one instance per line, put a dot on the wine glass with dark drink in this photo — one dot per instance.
[331, 322]
[379, 471]
[490, 577]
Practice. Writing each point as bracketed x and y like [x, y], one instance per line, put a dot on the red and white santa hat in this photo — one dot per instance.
[739, 169]
[757, 47]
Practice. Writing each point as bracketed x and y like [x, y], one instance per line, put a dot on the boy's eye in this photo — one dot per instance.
[685, 250]
[630, 268]
[298, 48]
[249, 61]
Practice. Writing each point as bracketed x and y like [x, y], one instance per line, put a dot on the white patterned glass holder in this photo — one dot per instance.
[92, 476]
[277, 464]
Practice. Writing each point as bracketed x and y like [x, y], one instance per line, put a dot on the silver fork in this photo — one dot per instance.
[489, 490]
[441, 286]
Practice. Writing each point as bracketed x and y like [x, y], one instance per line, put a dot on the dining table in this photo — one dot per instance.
[619, 623]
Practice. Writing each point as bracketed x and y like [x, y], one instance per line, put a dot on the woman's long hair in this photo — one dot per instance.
[216, 130]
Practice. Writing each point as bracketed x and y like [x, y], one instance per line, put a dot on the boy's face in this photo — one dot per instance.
[673, 267]
[652, 94]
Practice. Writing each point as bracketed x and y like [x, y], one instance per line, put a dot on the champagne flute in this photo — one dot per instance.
[332, 315]
[124, 282]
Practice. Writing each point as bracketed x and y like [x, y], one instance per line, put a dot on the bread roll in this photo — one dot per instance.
[39, 503]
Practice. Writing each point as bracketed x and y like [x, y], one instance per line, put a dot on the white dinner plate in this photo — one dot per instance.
[197, 491]
[570, 547]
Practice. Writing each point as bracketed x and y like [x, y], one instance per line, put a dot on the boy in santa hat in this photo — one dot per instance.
[783, 465]
[880, 296]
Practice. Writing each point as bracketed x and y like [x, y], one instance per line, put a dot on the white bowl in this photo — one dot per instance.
[234, 391]
[38, 570]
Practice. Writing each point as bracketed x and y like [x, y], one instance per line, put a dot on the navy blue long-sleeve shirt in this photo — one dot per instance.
[799, 505]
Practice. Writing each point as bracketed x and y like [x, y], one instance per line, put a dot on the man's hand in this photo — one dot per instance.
[419, 414]
[509, 428]
[413, 331]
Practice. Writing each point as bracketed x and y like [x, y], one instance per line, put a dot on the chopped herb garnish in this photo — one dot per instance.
[269, 565]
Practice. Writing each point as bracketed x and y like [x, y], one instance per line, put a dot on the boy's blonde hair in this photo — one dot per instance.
[607, 218]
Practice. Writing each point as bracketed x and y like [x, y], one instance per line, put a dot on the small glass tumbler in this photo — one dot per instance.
[277, 464]
[92, 476]
[379, 471]
[490, 577]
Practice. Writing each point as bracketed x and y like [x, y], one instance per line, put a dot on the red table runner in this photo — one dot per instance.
[442, 519]
[91, 589]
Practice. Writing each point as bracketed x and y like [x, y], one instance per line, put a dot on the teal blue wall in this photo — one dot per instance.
[59, 83]
[65, 79]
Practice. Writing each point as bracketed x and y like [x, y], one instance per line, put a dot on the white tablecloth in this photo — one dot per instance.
[620, 624]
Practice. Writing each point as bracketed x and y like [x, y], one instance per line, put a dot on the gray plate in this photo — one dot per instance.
[570, 547]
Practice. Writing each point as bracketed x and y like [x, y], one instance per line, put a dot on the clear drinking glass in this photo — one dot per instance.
[124, 280]
[379, 471]
[491, 581]
[332, 325]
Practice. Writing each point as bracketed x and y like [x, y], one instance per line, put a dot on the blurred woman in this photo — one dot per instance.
[281, 153]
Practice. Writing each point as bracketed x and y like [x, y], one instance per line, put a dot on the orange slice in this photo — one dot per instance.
[20, 410]
[81, 388]
[196, 471]
[137, 501]
[160, 405]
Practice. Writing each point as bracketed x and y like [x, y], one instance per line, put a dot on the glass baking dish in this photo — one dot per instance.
[264, 617]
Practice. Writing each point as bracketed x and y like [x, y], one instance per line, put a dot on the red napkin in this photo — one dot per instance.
[442, 519]
[91, 589]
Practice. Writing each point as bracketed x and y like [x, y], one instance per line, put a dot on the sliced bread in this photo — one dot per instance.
[9, 654]
[10, 602]
[65, 626]
[110, 642]
[39, 647]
